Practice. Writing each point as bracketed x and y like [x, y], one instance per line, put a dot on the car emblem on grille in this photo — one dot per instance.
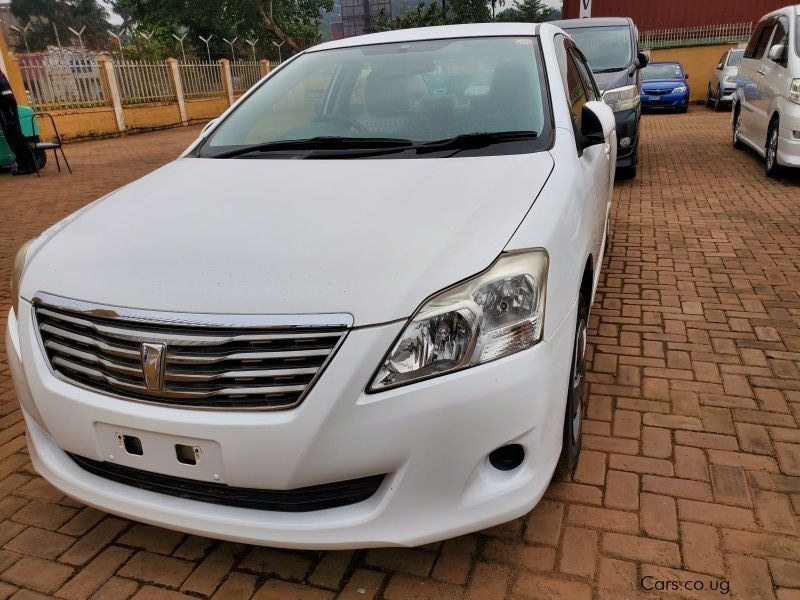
[153, 360]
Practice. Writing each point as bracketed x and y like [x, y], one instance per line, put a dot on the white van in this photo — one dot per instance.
[766, 108]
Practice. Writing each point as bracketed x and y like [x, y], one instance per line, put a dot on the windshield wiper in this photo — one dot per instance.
[610, 70]
[316, 143]
[479, 139]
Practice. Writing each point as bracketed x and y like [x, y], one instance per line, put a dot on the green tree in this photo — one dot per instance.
[529, 11]
[292, 22]
[44, 15]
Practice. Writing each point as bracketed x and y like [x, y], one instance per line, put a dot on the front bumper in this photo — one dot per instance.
[628, 127]
[431, 439]
[664, 101]
[789, 136]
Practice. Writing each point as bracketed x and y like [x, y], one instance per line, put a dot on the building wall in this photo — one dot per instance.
[663, 14]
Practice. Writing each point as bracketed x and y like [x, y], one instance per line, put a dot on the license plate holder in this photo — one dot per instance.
[160, 453]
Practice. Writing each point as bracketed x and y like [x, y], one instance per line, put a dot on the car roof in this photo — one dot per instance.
[793, 9]
[593, 22]
[434, 33]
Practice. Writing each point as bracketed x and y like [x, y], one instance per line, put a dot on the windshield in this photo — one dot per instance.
[662, 71]
[409, 93]
[605, 48]
[735, 57]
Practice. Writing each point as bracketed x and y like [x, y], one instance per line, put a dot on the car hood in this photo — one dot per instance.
[656, 84]
[372, 238]
[614, 79]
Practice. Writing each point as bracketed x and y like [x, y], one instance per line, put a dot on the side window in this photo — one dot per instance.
[576, 93]
[758, 40]
[586, 75]
[723, 58]
[781, 38]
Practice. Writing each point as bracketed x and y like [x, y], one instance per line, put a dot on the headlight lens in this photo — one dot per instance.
[730, 79]
[16, 274]
[794, 91]
[624, 98]
[679, 90]
[492, 315]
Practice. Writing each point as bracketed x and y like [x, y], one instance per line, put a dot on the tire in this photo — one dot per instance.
[708, 96]
[718, 103]
[683, 109]
[576, 391]
[737, 126]
[771, 166]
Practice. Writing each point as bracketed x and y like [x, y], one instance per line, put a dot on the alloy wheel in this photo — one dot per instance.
[772, 148]
[579, 379]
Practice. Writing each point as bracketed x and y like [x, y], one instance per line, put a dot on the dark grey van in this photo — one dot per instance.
[611, 46]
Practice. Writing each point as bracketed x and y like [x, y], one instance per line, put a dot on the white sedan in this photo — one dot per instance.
[353, 313]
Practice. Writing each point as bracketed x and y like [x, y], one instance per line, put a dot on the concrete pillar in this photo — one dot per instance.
[227, 80]
[264, 66]
[177, 87]
[112, 89]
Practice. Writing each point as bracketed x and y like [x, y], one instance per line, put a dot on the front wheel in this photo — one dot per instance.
[40, 156]
[772, 168]
[576, 394]
[737, 128]
[718, 103]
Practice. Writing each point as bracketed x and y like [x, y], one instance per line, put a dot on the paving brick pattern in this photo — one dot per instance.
[691, 467]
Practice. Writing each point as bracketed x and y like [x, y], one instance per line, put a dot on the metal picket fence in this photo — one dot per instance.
[695, 36]
[66, 82]
[201, 79]
[142, 82]
[244, 75]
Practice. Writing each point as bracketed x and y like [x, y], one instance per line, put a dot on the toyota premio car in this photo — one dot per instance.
[353, 313]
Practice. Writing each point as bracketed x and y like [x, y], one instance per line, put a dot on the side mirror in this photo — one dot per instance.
[777, 53]
[686, 76]
[207, 125]
[642, 60]
[719, 67]
[597, 123]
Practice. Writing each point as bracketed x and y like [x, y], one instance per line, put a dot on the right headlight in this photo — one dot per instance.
[489, 316]
[20, 261]
[794, 91]
[624, 98]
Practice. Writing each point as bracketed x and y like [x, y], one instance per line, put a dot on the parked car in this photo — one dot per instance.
[722, 82]
[611, 45]
[766, 109]
[348, 321]
[664, 86]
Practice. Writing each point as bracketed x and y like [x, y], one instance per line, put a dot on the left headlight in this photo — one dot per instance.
[489, 316]
[730, 79]
[679, 90]
[624, 98]
[20, 261]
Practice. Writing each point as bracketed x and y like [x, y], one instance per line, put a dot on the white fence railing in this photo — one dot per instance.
[244, 75]
[695, 36]
[201, 79]
[74, 83]
[80, 82]
[143, 82]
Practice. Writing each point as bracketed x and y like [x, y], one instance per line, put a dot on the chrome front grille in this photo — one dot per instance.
[208, 361]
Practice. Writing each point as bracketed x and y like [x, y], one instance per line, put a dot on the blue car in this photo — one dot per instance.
[664, 86]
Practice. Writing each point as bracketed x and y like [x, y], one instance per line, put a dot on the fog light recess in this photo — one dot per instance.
[624, 142]
[507, 458]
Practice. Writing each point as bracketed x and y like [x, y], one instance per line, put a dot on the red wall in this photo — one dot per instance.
[660, 14]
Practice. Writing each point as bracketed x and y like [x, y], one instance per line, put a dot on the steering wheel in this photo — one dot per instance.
[350, 122]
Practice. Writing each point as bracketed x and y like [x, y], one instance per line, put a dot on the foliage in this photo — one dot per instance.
[292, 22]
[44, 14]
[529, 11]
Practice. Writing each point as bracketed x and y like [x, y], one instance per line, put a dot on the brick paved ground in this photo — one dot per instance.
[691, 464]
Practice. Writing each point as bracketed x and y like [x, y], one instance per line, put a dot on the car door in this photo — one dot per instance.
[751, 76]
[607, 160]
[776, 79]
[595, 161]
